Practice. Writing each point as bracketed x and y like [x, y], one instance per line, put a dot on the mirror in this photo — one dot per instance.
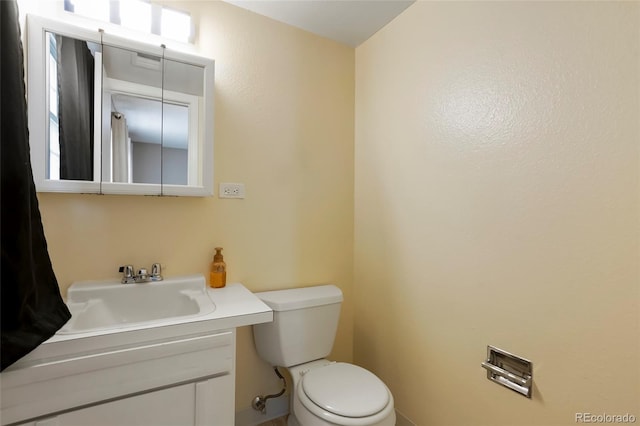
[132, 119]
[118, 116]
[71, 69]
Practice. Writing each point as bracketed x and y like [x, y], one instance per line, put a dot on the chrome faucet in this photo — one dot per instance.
[127, 274]
[142, 276]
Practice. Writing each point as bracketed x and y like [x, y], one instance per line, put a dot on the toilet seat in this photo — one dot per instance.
[345, 394]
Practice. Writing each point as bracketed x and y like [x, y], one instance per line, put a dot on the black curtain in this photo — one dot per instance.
[32, 309]
[75, 108]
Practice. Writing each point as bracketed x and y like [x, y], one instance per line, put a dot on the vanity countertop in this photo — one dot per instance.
[236, 306]
[75, 372]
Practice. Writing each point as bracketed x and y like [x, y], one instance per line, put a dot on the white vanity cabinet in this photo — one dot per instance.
[206, 402]
[180, 373]
[179, 381]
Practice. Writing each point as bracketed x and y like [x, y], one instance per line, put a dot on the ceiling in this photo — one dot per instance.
[350, 22]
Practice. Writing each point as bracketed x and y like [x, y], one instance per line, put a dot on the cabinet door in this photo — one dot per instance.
[215, 401]
[207, 403]
[170, 407]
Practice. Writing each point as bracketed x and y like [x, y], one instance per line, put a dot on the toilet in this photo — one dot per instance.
[301, 335]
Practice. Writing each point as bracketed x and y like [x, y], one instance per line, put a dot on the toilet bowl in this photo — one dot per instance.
[336, 393]
[324, 393]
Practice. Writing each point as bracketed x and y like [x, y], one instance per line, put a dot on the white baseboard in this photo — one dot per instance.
[276, 407]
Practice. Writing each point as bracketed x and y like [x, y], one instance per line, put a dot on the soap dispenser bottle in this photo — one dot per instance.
[218, 276]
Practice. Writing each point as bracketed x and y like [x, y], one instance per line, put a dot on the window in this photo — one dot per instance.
[175, 25]
[136, 15]
[139, 15]
[91, 9]
[54, 138]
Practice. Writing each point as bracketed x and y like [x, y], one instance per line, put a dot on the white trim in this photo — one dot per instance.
[194, 167]
[207, 140]
[131, 188]
[97, 116]
[193, 104]
[38, 112]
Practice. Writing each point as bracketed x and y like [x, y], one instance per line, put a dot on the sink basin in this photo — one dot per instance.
[100, 305]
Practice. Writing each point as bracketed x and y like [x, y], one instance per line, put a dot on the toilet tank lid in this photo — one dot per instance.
[299, 298]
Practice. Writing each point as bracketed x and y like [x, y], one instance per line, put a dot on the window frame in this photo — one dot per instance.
[115, 18]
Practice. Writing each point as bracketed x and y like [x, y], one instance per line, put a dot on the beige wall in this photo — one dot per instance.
[284, 125]
[497, 202]
[496, 191]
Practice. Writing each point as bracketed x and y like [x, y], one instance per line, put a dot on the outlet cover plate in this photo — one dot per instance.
[231, 190]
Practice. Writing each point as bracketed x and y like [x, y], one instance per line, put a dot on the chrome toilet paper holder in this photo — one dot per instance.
[509, 370]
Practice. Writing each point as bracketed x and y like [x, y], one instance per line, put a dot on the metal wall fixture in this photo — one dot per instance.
[509, 370]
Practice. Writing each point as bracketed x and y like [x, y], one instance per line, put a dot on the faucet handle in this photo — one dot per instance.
[156, 268]
[156, 272]
[127, 273]
[127, 270]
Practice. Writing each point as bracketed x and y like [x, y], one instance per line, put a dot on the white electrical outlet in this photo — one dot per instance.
[231, 190]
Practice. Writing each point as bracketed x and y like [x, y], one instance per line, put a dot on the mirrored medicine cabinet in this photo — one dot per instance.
[111, 115]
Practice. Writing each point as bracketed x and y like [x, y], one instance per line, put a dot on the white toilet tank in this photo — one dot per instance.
[304, 325]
